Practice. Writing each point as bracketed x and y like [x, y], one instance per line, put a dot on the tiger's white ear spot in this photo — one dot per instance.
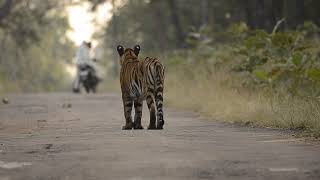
[137, 47]
[136, 50]
[120, 50]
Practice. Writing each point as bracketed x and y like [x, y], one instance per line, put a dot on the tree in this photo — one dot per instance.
[174, 12]
[5, 9]
[164, 25]
[34, 45]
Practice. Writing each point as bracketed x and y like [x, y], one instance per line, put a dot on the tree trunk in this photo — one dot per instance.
[294, 12]
[277, 9]
[299, 9]
[260, 14]
[160, 35]
[5, 9]
[276, 12]
[115, 38]
[176, 23]
[204, 12]
[249, 13]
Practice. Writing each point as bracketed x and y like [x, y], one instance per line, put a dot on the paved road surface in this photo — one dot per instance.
[79, 137]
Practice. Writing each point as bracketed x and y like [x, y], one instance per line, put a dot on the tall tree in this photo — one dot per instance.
[277, 10]
[204, 12]
[5, 9]
[174, 12]
[299, 11]
[33, 33]
[115, 36]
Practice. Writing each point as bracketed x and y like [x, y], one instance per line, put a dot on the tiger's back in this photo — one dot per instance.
[137, 77]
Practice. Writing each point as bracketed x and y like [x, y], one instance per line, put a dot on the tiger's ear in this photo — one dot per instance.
[136, 50]
[120, 50]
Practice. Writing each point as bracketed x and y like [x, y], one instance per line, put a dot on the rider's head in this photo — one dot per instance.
[88, 44]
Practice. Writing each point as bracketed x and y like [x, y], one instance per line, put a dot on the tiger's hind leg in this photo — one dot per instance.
[152, 110]
[138, 114]
[127, 106]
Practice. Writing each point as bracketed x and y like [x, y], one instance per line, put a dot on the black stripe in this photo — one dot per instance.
[159, 97]
[128, 104]
[159, 106]
[137, 104]
[159, 89]
[150, 80]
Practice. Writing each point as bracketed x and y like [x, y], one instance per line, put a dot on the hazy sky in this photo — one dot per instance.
[84, 23]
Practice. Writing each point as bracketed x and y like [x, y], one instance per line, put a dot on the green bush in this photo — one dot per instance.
[257, 78]
[281, 61]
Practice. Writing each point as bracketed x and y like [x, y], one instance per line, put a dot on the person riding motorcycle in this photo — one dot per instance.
[83, 60]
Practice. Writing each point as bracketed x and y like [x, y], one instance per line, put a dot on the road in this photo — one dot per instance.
[79, 137]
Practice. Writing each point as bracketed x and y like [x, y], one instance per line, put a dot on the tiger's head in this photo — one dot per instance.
[128, 54]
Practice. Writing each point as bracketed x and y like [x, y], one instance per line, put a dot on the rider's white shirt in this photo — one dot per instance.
[83, 55]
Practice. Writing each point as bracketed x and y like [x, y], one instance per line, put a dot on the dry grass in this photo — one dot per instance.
[213, 96]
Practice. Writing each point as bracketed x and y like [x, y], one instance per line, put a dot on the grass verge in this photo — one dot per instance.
[215, 95]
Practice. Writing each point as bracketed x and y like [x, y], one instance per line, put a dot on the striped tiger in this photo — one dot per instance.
[141, 80]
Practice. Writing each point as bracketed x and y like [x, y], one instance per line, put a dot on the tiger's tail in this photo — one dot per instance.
[159, 83]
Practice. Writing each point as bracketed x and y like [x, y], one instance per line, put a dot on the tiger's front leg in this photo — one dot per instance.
[127, 106]
[138, 104]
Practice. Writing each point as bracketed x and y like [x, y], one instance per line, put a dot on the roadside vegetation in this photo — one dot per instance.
[34, 46]
[229, 62]
[259, 78]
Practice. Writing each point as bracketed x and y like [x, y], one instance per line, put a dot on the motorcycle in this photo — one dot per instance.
[88, 79]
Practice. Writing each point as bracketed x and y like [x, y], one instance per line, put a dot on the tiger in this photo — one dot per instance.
[141, 80]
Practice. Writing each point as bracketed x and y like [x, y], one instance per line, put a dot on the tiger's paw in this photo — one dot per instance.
[152, 127]
[127, 127]
[160, 124]
[136, 126]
